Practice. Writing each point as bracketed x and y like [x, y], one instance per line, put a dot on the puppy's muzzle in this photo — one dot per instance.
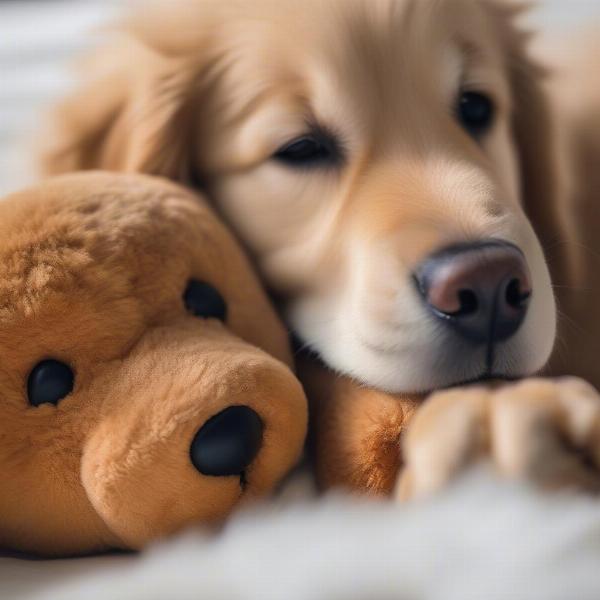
[481, 289]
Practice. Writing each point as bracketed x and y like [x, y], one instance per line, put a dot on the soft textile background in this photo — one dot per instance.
[38, 42]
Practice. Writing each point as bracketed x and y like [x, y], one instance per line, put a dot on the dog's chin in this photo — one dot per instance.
[486, 378]
[421, 370]
[416, 372]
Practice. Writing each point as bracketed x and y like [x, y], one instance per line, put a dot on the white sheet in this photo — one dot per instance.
[479, 541]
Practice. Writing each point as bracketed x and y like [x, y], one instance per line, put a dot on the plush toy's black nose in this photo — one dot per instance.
[228, 442]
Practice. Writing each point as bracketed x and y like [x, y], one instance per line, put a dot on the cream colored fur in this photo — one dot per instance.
[210, 90]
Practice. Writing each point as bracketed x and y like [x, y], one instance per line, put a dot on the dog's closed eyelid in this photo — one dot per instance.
[316, 148]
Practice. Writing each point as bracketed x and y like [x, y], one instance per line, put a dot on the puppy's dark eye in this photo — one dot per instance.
[475, 112]
[312, 150]
[49, 382]
[202, 300]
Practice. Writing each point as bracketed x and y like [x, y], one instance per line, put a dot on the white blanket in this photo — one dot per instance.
[481, 540]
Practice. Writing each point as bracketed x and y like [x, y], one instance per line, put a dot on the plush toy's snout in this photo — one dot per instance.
[228, 442]
[188, 449]
[144, 379]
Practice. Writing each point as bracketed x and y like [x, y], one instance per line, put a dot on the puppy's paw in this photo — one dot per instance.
[546, 431]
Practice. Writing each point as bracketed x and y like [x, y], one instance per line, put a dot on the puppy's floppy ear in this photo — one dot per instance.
[535, 135]
[129, 114]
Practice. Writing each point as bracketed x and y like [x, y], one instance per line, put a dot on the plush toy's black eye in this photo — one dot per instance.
[311, 150]
[475, 112]
[202, 300]
[49, 382]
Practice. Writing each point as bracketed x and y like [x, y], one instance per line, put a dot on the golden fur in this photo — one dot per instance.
[92, 273]
[205, 92]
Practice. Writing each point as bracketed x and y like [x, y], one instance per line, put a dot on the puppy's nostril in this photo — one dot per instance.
[468, 303]
[516, 296]
[228, 442]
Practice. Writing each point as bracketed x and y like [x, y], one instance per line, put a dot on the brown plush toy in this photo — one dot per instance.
[144, 377]
[356, 431]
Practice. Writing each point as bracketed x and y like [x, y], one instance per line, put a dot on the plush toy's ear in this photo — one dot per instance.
[129, 113]
[534, 130]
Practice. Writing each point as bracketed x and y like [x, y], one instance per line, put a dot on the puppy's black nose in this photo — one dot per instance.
[480, 289]
[228, 442]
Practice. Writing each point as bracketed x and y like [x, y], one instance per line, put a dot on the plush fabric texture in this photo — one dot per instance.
[93, 268]
[355, 431]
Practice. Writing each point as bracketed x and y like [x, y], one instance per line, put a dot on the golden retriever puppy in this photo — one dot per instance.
[389, 164]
